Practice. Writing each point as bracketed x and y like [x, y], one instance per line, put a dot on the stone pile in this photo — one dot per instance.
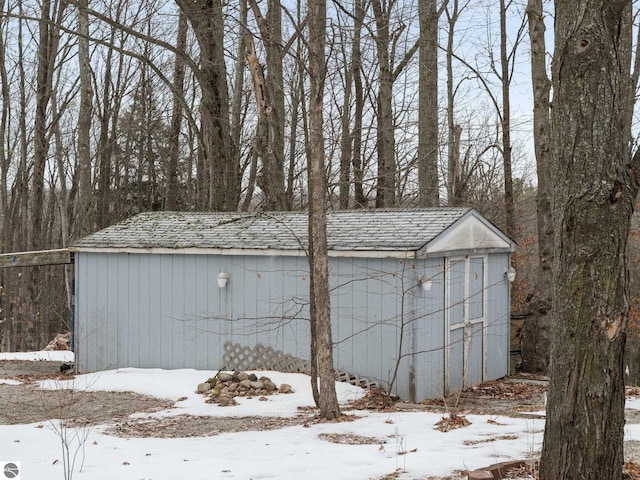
[224, 387]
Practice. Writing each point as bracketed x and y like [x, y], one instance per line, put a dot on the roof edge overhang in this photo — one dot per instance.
[266, 252]
[461, 252]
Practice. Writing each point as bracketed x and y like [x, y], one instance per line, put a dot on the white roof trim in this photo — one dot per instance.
[250, 251]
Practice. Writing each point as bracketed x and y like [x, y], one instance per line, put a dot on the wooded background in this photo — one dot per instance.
[114, 107]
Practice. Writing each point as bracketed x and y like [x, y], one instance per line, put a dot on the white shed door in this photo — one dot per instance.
[465, 314]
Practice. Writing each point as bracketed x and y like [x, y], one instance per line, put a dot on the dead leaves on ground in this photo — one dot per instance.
[350, 439]
[491, 421]
[526, 470]
[182, 426]
[490, 439]
[374, 399]
[507, 390]
[452, 422]
[631, 471]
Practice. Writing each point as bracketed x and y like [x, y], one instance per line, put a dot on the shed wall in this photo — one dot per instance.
[429, 331]
[167, 311]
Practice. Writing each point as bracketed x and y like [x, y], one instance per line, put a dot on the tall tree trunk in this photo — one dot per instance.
[358, 92]
[50, 18]
[47, 50]
[452, 162]
[298, 119]
[428, 185]
[385, 141]
[172, 175]
[594, 192]
[505, 80]
[459, 183]
[142, 108]
[111, 194]
[17, 234]
[103, 196]
[4, 126]
[64, 207]
[83, 218]
[322, 344]
[219, 156]
[296, 97]
[346, 138]
[5, 163]
[535, 337]
[269, 90]
[236, 100]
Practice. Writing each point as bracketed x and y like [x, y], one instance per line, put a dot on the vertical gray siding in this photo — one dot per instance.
[430, 331]
[146, 310]
[498, 317]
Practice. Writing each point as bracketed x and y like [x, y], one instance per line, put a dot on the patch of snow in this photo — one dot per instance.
[632, 402]
[51, 356]
[6, 381]
[174, 384]
[411, 441]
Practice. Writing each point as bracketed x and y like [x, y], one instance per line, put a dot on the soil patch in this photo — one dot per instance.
[21, 404]
[26, 403]
[181, 426]
[508, 397]
[30, 368]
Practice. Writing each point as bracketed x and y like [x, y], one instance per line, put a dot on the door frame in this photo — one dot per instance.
[466, 323]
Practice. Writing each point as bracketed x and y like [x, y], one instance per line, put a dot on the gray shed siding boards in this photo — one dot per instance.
[147, 305]
[167, 310]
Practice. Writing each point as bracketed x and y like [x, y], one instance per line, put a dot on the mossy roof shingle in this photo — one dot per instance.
[363, 230]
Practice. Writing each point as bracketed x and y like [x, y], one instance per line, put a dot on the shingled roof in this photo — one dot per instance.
[347, 230]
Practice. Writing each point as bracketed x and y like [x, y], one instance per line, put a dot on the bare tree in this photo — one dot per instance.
[83, 218]
[506, 59]
[298, 118]
[535, 338]
[238, 107]
[358, 175]
[4, 119]
[51, 17]
[595, 184]
[112, 188]
[385, 142]
[7, 339]
[453, 14]
[220, 162]
[346, 137]
[386, 41]
[16, 226]
[49, 36]
[428, 104]
[172, 175]
[320, 308]
[269, 91]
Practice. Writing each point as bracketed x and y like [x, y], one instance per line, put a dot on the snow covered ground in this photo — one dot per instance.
[412, 444]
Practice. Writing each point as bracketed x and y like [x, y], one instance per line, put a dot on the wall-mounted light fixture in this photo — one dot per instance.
[425, 283]
[510, 274]
[223, 278]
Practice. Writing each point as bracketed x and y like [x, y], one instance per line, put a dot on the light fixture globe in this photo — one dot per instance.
[510, 274]
[223, 278]
[425, 283]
